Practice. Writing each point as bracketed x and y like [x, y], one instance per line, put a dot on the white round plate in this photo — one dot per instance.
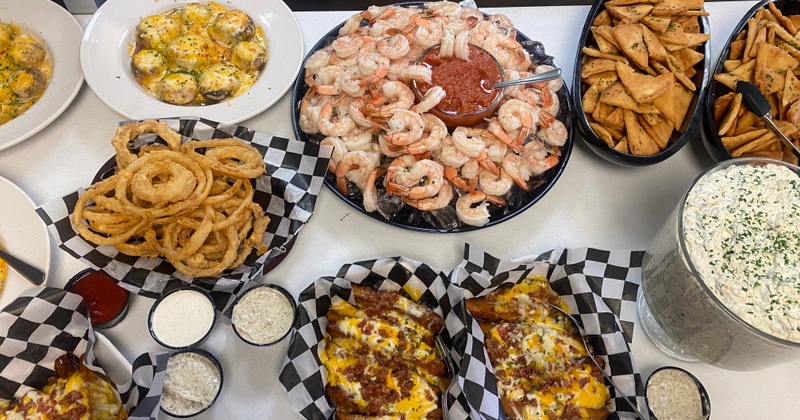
[110, 34]
[60, 34]
[22, 233]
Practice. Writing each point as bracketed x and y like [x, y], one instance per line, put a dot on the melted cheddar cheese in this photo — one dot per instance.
[541, 365]
[25, 71]
[380, 364]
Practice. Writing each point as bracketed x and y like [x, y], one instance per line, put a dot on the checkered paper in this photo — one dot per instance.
[287, 193]
[599, 287]
[44, 323]
[303, 375]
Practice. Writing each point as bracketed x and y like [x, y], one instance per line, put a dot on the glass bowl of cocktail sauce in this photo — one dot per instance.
[106, 301]
[470, 97]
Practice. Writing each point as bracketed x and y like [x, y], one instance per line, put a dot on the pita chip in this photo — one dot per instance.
[639, 141]
[642, 87]
[631, 41]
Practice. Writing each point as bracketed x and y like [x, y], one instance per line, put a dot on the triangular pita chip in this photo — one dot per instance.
[605, 39]
[746, 123]
[602, 18]
[683, 99]
[771, 64]
[674, 35]
[601, 132]
[632, 13]
[690, 57]
[657, 24]
[630, 39]
[661, 131]
[639, 141]
[737, 49]
[617, 95]
[695, 40]
[666, 104]
[597, 65]
[675, 67]
[732, 142]
[791, 89]
[728, 123]
[601, 111]
[721, 105]
[655, 49]
[622, 146]
[642, 87]
[590, 99]
[602, 80]
[615, 120]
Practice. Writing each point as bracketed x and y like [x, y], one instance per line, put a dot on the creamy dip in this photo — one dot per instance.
[742, 232]
[191, 383]
[182, 318]
[263, 315]
[672, 394]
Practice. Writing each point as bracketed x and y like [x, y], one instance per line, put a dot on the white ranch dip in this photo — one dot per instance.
[191, 383]
[673, 395]
[182, 318]
[263, 315]
[742, 232]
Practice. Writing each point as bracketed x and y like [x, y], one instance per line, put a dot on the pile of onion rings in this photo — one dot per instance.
[190, 203]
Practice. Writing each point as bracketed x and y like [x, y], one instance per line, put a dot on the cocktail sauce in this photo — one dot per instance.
[104, 298]
[467, 83]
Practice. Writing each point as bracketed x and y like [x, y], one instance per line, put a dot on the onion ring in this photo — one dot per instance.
[130, 131]
[229, 157]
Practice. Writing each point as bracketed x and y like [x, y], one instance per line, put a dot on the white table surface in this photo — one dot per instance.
[594, 203]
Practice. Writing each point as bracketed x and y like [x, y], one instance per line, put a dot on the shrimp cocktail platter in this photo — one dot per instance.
[422, 140]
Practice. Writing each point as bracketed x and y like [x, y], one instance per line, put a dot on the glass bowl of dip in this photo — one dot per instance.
[182, 318]
[263, 315]
[674, 393]
[720, 280]
[192, 383]
[106, 300]
[470, 96]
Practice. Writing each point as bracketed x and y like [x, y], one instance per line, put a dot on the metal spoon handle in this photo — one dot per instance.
[758, 104]
[777, 131]
[541, 77]
[35, 275]
[582, 332]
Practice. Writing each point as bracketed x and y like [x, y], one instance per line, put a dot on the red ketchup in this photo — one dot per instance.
[104, 298]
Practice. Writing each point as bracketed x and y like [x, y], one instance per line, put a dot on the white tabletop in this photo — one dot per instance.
[594, 203]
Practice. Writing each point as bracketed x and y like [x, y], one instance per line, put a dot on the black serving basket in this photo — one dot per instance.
[411, 218]
[711, 140]
[678, 139]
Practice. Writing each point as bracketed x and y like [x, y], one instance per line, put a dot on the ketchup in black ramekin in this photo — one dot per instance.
[106, 301]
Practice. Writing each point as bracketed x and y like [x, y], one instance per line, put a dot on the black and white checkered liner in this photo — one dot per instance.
[44, 323]
[287, 193]
[303, 374]
[599, 287]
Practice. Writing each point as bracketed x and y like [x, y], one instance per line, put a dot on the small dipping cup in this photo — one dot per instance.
[674, 393]
[106, 300]
[263, 315]
[182, 318]
[202, 365]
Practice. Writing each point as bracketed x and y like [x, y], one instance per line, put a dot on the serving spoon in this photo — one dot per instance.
[631, 403]
[541, 77]
[33, 274]
[757, 104]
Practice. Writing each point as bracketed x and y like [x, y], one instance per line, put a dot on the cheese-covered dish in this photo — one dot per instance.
[74, 392]
[198, 54]
[542, 368]
[25, 71]
[380, 357]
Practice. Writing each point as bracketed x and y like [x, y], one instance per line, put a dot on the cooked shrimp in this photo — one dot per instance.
[508, 52]
[429, 32]
[461, 46]
[350, 83]
[415, 72]
[555, 84]
[504, 24]
[310, 106]
[440, 200]
[326, 80]
[354, 112]
[389, 149]
[495, 149]
[554, 135]
[394, 48]
[539, 157]
[450, 155]
[391, 95]
[348, 45]
[516, 167]
[358, 139]
[470, 170]
[432, 135]
[433, 96]
[481, 31]
[373, 64]
[472, 214]
[369, 192]
[352, 24]
[517, 115]
[451, 174]
[443, 8]
[404, 127]
[355, 166]
[339, 151]
[497, 130]
[495, 184]
[426, 177]
[469, 140]
[471, 13]
[331, 124]
[447, 46]
[318, 60]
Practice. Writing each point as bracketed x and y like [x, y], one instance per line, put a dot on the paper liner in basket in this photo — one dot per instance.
[287, 193]
[44, 323]
[303, 375]
[599, 287]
